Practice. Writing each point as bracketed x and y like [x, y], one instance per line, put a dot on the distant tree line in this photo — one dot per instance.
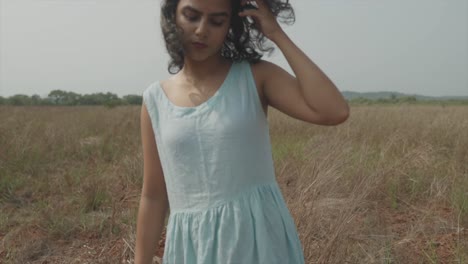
[59, 97]
[406, 100]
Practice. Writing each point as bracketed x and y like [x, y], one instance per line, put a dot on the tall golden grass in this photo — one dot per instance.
[390, 185]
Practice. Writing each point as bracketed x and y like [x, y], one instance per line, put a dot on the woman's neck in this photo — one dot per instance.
[199, 71]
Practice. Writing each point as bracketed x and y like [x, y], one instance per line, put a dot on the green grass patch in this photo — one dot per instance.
[288, 147]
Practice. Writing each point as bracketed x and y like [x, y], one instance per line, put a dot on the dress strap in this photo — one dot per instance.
[252, 89]
[151, 99]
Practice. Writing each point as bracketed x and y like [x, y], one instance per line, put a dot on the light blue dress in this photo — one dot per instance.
[225, 204]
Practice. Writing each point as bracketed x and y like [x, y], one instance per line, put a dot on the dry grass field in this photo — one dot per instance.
[390, 185]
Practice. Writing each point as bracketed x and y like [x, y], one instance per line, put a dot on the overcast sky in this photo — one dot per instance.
[88, 46]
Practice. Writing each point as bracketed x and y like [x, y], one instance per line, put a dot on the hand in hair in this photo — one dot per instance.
[263, 17]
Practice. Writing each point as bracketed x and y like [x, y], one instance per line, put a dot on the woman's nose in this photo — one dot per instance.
[202, 29]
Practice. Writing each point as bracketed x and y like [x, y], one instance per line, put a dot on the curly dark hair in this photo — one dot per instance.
[242, 40]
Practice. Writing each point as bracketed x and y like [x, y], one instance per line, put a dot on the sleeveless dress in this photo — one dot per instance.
[225, 204]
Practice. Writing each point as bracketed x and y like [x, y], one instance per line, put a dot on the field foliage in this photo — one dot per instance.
[390, 185]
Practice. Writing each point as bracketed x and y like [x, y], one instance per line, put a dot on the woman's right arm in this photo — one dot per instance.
[153, 202]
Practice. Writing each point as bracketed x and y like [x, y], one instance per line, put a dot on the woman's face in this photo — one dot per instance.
[206, 22]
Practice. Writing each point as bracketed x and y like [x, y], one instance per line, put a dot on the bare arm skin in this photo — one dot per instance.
[153, 202]
[310, 95]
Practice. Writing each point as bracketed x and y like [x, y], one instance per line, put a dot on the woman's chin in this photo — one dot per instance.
[200, 56]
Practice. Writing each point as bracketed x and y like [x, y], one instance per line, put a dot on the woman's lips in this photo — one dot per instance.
[199, 45]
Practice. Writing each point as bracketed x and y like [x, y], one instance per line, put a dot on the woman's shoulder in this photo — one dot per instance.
[263, 68]
[153, 88]
[168, 82]
[262, 65]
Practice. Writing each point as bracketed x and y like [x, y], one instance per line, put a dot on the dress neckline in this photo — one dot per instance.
[206, 102]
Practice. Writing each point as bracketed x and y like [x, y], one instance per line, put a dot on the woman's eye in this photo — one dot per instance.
[218, 24]
[191, 18]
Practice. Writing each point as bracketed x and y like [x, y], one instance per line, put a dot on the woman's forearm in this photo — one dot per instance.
[150, 223]
[320, 93]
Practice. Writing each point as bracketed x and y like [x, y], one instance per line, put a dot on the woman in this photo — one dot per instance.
[205, 137]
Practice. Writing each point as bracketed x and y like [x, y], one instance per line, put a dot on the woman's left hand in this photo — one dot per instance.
[263, 17]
